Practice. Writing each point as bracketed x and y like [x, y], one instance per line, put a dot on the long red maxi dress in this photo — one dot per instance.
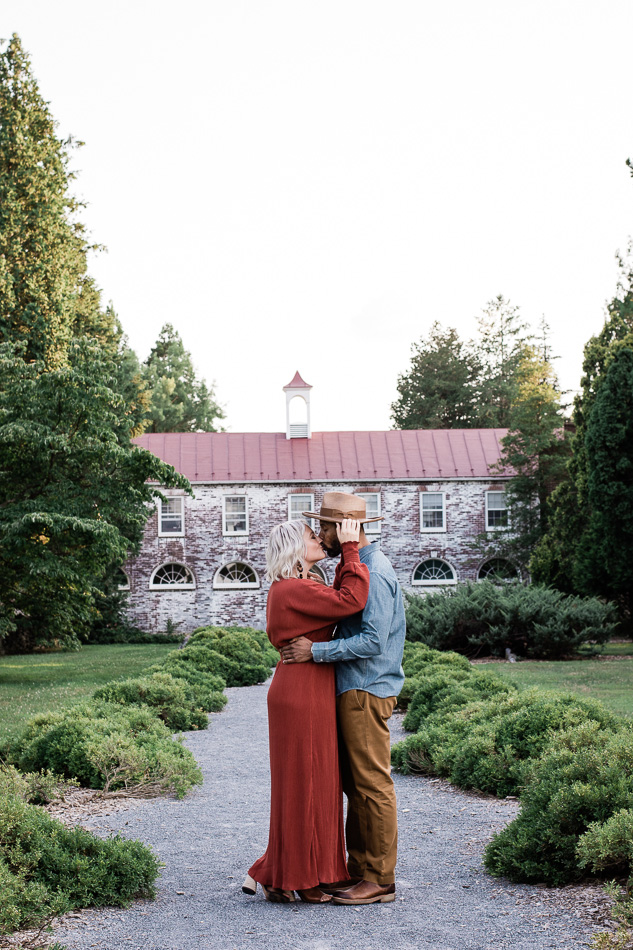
[306, 844]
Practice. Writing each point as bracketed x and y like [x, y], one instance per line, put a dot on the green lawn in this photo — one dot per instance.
[42, 681]
[610, 681]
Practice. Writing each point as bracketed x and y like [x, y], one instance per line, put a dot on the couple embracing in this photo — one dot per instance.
[329, 703]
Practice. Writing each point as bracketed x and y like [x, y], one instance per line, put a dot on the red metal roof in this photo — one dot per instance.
[329, 456]
[297, 382]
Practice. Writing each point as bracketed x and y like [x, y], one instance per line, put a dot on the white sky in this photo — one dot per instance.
[308, 185]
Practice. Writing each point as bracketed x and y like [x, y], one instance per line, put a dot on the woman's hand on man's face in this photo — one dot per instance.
[348, 530]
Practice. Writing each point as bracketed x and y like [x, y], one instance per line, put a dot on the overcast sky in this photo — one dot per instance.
[309, 185]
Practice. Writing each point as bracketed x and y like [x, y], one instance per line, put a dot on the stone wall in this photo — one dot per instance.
[204, 549]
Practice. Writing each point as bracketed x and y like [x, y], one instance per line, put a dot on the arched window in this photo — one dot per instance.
[122, 580]
[434, 571]
[172, 575]
[235, 574]
[499, 570]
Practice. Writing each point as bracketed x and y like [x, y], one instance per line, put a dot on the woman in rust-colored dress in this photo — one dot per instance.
[306, 843]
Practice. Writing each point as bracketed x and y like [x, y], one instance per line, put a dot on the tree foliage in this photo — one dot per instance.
[439, 391]
[452, 384]
[536, 451]
[503, 336]
[46, 295]
[563, 558]
[73, 492]
[605, 551]
[180, 402]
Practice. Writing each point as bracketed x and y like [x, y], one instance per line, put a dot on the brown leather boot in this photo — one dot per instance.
[366, 892]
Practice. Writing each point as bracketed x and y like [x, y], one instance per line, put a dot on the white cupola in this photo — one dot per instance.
[298, 408]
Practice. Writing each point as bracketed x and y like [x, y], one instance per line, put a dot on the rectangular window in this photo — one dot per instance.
[496, 511]
[372, 506]
[235, 515]
[171, 517]
[432, 511]
[297, 504]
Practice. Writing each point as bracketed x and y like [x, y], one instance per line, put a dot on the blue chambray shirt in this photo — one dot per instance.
[367, 647]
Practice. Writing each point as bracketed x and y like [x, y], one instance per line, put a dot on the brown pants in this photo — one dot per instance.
[371, 828]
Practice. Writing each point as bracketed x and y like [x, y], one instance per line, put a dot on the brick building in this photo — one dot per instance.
[203, 558]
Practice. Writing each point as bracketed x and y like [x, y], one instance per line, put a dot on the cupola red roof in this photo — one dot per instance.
[297, 382]
[413, 454]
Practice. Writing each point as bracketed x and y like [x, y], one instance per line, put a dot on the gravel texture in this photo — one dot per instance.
[444, 900]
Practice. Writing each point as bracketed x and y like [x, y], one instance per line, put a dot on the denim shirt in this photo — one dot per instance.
[367, 647]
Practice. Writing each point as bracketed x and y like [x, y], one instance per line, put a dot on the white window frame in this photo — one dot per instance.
[126, 584]
[441, 530]
[171, 534]
[376, 526]
[249, 585]
[308, 504]
[489, 527]
[234, 534]
[503, 580]
[164, 587]
[433, 582]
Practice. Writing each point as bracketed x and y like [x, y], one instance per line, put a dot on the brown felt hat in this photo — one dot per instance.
[338, 505]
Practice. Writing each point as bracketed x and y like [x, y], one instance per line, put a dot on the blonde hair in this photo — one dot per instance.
[286, 546]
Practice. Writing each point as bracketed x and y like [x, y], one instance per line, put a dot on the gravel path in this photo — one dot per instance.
[445, 901]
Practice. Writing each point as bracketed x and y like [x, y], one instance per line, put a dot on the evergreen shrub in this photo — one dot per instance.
[608, 845]
[172, 700]
[483, 617]
[207, 688]
[571, 815]
[568, 758]
[108, 746]
[47, 869]
[239, 655]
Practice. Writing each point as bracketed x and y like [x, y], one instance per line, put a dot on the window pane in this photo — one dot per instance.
[497, 519]
[433, 571]
[497, 510]
[496, 499]
[171, 516]
[235, 514]
[372, 507]
[498, 569]
[172, 575]
[432, 510]
[236, 574]
[299, 504]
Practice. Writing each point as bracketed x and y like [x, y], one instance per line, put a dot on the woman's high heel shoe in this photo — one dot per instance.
[314, 895]
[249, 886]
[273, 894]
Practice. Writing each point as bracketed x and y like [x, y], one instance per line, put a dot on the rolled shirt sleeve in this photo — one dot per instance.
[374, 631]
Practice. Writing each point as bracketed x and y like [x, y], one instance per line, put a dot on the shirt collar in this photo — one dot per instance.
[367, 552]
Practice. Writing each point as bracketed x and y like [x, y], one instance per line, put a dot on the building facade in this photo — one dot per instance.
[203, 557]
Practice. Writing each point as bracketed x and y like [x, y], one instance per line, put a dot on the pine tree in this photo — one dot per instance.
[438, 392]
[536, 450]
[180, 402]
[558, 559]
[605, 551]
[46, 295]
[503, 336]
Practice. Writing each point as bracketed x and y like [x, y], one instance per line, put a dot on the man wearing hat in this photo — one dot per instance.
[367, 649]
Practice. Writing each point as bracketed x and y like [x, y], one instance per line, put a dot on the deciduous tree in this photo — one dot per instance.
[74, 492]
